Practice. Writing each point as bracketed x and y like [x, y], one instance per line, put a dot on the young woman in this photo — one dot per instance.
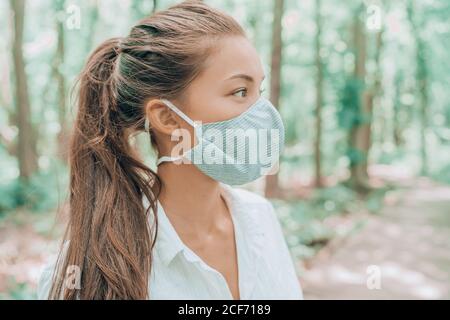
[182, 232]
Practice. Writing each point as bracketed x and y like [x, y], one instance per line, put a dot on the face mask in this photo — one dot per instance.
[238, 150]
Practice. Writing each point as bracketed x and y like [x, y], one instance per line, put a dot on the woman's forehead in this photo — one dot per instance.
[234, 55]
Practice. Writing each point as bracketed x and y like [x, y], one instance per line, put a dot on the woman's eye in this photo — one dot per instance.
[242, 92]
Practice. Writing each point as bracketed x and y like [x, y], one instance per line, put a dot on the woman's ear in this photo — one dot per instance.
[160, 117]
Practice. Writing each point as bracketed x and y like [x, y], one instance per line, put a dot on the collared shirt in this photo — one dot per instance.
[265, 266]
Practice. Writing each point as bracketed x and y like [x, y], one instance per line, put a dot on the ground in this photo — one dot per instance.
[407, 244]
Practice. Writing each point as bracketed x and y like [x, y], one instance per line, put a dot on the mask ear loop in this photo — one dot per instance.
[179, 112]
[147, 125]
[172, 107]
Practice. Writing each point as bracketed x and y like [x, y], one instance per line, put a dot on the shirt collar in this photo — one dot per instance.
[168, 244]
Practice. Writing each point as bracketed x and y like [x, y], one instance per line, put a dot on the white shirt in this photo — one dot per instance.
[265, 266]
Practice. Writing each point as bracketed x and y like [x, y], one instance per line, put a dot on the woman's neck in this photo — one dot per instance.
[191, 198]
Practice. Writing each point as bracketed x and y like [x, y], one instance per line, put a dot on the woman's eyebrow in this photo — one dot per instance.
[245, 77]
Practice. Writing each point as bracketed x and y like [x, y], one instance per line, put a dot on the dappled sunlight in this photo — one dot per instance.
[410, 250]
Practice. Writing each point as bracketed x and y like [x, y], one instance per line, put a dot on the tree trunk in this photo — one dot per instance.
[26, 137]
[423, 91]
[6, 102]
[422, 83]
[357, 135]
[361, 133]
[397, 130]
[370, 97]
[319, 98]
[58, 66]
[272, 185]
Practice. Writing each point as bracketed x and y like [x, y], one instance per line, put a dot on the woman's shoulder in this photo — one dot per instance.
[47, 274]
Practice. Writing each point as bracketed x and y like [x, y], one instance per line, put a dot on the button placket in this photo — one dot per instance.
[214, 277]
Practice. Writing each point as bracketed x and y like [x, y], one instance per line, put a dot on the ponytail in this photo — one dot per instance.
[108, 232]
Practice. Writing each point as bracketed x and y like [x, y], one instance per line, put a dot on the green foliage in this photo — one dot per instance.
[334, 199]
[305, 221]
[18, 291]
[443, 175]
[8, 198]
[40, 193]
[290, 124]
[349, 115]
[355, 156]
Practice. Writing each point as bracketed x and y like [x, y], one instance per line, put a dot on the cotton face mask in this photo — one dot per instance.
[238, 150]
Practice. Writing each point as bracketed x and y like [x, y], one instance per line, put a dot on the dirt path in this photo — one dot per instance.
[407, 245]
[26, 243]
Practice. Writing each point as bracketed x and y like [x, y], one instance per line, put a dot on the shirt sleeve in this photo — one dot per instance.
[45, 281]
[288, 274]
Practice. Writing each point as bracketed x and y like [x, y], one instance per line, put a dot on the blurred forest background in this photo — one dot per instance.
[363, 87]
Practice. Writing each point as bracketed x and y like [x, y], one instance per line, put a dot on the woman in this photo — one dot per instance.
[183, 232]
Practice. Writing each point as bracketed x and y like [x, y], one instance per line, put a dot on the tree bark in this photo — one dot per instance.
[272, 184]
[370, 96]
[26, 137]
[58, 65]
[319, 98]
[397, 130]
[357, 139]
[422, 84]
[361, 133]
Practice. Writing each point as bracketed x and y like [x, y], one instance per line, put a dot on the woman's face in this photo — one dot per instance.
[229, 84]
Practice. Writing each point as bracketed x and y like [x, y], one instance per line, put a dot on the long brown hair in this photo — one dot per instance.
[109, 236]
